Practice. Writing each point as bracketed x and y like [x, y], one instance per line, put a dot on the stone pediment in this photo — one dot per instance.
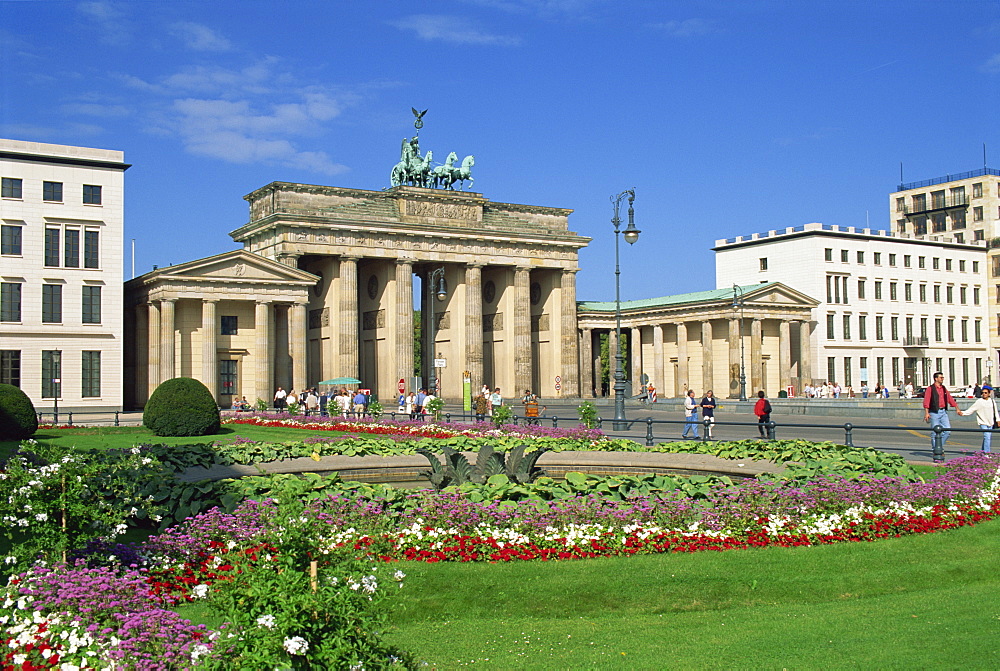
[777, 294]
[234, 267]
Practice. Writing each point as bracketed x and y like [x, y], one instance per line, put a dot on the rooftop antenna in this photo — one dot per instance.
[900, 172]
[867, 222]
[133, 257]
[984, 156]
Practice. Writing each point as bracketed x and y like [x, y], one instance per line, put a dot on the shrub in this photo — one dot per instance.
[587, 413]
[181, 407]
[18, 419]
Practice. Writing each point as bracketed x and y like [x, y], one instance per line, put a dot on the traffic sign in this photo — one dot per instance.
[558, 379]
[402, 386]
[558, 386]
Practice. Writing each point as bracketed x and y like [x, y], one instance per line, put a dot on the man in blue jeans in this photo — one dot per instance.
[690, 415]
[936, 402]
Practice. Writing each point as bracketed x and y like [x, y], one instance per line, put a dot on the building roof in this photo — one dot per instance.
[838, 231]
[725, 294]
[906, 186]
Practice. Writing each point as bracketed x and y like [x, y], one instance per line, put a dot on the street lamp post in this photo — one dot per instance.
[631, 234]
[439, 290]
[989, 368]
[738, 305]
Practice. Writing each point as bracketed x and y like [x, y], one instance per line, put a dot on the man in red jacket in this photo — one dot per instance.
[763, 411]
[936, 402]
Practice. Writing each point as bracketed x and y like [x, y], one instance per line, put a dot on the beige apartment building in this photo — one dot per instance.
[957, 208]
[61, 226]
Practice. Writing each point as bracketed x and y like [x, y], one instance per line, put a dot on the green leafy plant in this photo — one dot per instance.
[18, 419]
[292, 408]
[181, 406]
[261, 405]
[502, 415]
[375, 408]
[456, 469]
[587, 412]
[435, 407]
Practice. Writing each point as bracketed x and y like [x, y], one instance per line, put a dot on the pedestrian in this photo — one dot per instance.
[324, 403]
[763, 411]
[344, 401]
[528, 397]
[690, 415]
[651, 392]
[985, 410]
[864, 389]
[481, 405]
[418, 405]
[279, 399]
[312, 402]
[409, 404]
[909, 390]
[937, 398]
[359, 404]
[708, 405]
[496, 400]
[292, 398]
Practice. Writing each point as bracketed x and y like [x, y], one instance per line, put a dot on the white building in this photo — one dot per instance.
[892, 307]
[61, 221]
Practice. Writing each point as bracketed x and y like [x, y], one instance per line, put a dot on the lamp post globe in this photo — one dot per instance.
[631, 234]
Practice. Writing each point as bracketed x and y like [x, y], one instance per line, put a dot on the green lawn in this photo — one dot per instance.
[919, 602]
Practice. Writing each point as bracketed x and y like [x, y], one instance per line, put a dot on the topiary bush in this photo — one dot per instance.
[181, 407]
[18, 419]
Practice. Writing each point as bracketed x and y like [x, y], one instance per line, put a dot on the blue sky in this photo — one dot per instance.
[727, 117]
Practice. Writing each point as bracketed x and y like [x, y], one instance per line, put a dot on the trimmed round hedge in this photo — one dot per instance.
[18, 419]
[181, 407]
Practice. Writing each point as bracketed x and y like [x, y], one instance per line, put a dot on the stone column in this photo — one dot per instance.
[659, 376]
[474, 325]
[612, 351]
[587, 363]
[262, 351]
[522, 330]
[734, 357]
[209, 346]
[598, 370]
[289, 259]
[154, 348]
[756, 357]
[297, 334]
[635, 345]
[141, 353]
[707, 369]
[784, 354]
[404, 321]
[167, 369]
[347, 323]
[682, 383]
[570, 368]
[805, 354]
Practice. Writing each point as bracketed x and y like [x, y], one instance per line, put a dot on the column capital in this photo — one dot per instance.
[264, 301]
[351, 257]
[475, 264]
[210, 300]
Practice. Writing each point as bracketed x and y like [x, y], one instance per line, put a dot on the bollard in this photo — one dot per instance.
[71, 419]
[770, 429]
[649, 431]
[39, 417]
[600, 423]
[938, 444]
[704, 436]
[393, 416]
[555, 422]
[116, 418]
[55, 419]
[447, 417]
[849, 434]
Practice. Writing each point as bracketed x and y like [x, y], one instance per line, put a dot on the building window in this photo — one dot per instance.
[848, 379]
[977, 190]
[965, 330]
[51, 373]
[91, 194]
[947, 265]
[975, 266]
[892, 259]
[909, 328]
[949, 292]
[901, 225]
[880, 369]
[52, 191]
[831, 369]
[830, 327]
[978, 235]
[896, 379]
[227, 377]
[977, 330]
[951, 330]
[977, 213]
[920, 225]
[763, 264]
[962, 295]
[878, 291]
[878, 328]
[894, 327]
[10, 367]
[937, 333]
[10, 302]
[923, 293]
[861, 257]
[908, 292]
[958, 219]
[951, 371]
[52, 247]
[906, 260]
[229, 324]
[901, 204]
[10, 240]
[961, 265]
[937, 198]
[91, 249]
[828, 254]
[936, 263]
[921, 262]
[847, 327]
[878, 258]
[975, 295]
[923, 328]
[861, 290]
[844, 256]
[960, 237]
[91, 374]
[862, 327]
[892, 291]
[91, 305]
[10, 187]
[71, 248]
[51, 303]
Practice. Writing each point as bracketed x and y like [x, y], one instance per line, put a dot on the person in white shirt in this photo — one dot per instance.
[985, 410]
[909, 390]
[690, 415]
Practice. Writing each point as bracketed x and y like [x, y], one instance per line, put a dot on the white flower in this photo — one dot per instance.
[266, 621]
[199, 591]
[398, 575]
[295, 645]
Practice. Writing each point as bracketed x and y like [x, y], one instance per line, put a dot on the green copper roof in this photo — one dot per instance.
[667, 301]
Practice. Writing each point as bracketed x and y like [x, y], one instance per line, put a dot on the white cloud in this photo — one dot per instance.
[113, 26]
[453, 29]
[95, 109]
[992, 65]
[685, 28]
[199, 37]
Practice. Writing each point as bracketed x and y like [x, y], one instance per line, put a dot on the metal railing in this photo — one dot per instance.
[906, 186]
[939, 203]
[81, 418]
